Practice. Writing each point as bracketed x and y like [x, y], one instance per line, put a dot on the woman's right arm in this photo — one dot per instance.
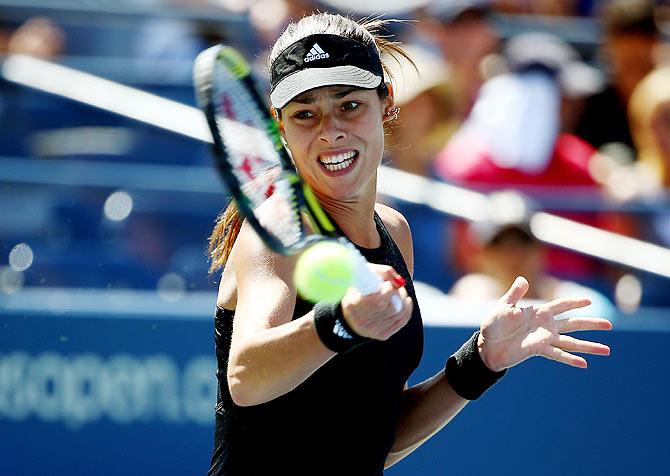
[270, 353]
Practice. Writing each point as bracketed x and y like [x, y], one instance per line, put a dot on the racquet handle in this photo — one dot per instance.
[367, 281]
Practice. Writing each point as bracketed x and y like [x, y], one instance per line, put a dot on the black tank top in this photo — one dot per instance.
[340, 421]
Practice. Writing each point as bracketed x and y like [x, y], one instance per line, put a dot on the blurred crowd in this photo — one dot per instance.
[527, 108]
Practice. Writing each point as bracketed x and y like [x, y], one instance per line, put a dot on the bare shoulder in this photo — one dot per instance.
[392, 218]
[227, 293]
[254, 261]
[251, 256]
[249, 262]
[265, 293]
[399, 229]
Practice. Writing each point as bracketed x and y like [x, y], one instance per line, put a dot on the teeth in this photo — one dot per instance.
[337, 159]
[340, 166]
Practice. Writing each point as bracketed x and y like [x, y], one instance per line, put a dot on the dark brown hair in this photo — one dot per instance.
[630, 17]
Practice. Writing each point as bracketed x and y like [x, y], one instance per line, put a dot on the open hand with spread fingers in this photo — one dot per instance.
[512, 334]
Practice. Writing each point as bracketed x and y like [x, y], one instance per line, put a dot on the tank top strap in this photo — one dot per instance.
[388, 252]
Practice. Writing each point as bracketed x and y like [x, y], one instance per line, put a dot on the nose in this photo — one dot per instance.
[331, 129]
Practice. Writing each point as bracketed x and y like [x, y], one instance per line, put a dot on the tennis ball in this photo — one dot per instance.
[324, 272]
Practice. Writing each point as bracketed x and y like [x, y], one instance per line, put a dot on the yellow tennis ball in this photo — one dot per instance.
[324, 272]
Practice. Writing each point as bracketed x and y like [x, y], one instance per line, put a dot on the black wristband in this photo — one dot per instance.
[333, 329]
[467, 373]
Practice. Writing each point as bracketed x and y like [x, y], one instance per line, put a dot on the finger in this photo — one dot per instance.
[392, 315]
[559, 355]
[387, 273]
[381, 304]
[572, 324]
[518, 290]
[403, 294]
[390, 292]
[560, 306]
[570, 344]
[383, 328]
[398, 282]
[398, 321]
[394, 327]
[395, 279]
[378, 300]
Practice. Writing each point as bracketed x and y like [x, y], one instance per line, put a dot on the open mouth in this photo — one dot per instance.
[336, 162]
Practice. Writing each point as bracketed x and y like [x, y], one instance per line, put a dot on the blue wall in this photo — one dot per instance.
[86, 394]
[549, 419]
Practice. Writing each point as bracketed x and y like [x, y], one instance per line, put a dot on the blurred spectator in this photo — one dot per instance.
[425, 121]
[518, 132]
[544, 7]
[648, 177]
[38, 36]
[503, 248]
[505, 251]
[269, 17]
[171, 44]
[465, 35]
[650, 121]
[631, 42]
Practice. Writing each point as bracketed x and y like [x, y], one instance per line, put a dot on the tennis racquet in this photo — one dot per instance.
[258, 171]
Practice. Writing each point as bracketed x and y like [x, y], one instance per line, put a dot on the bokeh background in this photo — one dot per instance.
[533, 138]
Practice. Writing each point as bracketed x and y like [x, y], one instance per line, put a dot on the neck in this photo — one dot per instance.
[355, 217]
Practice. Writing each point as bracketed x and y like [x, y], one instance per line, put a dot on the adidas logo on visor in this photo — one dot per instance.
[316, 53]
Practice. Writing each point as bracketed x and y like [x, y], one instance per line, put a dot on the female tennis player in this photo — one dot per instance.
[321, 389]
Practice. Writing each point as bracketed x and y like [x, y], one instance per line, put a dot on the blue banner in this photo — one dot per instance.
[91, 394]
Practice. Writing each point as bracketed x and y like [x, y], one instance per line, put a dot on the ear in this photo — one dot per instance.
[282, 133]
[277, 115]
[389, 113]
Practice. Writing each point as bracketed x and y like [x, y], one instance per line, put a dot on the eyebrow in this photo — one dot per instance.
[310, 97]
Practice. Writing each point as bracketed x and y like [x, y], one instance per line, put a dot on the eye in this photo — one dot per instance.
[303, 115]
[350, 105]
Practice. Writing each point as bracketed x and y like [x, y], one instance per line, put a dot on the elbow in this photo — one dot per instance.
[240, 391]
[392, 458]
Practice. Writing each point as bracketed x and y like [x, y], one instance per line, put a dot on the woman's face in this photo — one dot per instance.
[336, 138]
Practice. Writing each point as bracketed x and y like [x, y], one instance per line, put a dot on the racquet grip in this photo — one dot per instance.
[367, 281]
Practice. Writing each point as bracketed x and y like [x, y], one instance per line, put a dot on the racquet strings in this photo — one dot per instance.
[270, 192]
[251, 154]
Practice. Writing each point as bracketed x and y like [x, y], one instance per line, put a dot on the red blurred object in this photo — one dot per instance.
[467, 160]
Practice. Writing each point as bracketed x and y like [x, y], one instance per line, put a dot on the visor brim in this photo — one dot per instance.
[304, 80]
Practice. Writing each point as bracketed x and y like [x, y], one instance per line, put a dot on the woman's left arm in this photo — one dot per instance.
[507, 337]
[430, 405]
[426, 409]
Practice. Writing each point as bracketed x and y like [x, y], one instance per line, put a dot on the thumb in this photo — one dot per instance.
[518, 290]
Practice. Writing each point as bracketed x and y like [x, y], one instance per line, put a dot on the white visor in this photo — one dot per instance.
[297, 83]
